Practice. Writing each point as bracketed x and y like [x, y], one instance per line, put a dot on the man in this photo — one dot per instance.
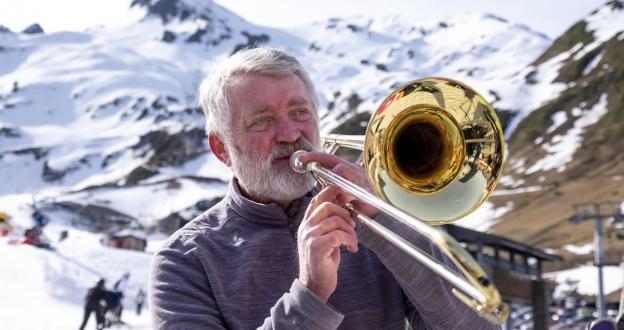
[5, 226]
[139, 299]
[93, 304]
[273, 255]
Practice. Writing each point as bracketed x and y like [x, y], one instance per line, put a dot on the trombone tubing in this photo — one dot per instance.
[407, 247]
[347, 141]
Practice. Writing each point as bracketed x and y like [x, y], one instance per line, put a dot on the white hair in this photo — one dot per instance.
[262, 61]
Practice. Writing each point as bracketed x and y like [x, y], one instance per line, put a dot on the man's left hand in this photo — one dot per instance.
[351, 172]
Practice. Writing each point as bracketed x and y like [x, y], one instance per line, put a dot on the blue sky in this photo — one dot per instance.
[552, 17]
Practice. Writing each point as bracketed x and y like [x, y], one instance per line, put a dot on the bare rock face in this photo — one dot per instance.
[177, 220]
[165, 9]
[168, 36]
[253, 40]
[96, 218]
[33, 29]
[174, 149]
[10, 132]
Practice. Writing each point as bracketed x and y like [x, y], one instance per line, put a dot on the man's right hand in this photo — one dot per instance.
[325, 227]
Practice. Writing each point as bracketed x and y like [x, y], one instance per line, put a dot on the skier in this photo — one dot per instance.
[139, 300]
[114, 300]
[63, 235]
[120, 285]
[119, 288]
[112, 308]
[39, 218]
[5, 226]
[93, 303]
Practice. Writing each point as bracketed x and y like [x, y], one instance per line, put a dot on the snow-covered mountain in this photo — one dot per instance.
[108, 117]
[567, 148]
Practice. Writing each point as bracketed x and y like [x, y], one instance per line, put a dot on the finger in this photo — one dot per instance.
[336, 238]
[332, 223]
[326, 210]
[325, 159]
[328, 194]
[352, 243]
[346, 197]
[361, 206]
[353, 173]
[349, 171]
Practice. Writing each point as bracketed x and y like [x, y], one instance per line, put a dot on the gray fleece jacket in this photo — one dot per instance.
[236, 267]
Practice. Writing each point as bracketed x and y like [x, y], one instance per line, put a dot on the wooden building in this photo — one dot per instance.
[515, 269]
[126, 239]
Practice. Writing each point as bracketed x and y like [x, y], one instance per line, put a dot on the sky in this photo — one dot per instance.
[551, 17]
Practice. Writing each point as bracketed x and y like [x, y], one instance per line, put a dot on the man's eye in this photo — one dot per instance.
[261, 124]
[302, 114]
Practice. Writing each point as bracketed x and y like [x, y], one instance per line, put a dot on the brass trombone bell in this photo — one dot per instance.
[434, 149]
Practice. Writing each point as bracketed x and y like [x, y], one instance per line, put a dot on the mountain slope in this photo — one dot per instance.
[570, 149]
[90, 121]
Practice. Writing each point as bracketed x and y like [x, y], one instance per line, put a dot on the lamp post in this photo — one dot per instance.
[591, 211]
[620, 316]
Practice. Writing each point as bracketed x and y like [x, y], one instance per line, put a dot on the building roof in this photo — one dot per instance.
[128, 233]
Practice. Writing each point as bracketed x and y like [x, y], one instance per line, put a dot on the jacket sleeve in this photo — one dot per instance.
[430, 304]
[179, 292]
[181, 297]
[301, 309]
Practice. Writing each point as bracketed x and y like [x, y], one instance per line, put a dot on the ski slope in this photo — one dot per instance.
[45, 289]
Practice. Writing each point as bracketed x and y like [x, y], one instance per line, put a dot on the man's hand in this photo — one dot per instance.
[325, 227]
[349, 171]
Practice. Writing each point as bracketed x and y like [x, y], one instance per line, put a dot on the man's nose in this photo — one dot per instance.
[287, 131]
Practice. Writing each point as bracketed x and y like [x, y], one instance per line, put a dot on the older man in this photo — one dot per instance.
[273, 254]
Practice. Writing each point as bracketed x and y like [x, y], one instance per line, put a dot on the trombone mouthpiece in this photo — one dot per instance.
[295, 162]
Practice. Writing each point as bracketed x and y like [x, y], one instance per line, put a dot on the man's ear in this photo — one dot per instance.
[218, 148]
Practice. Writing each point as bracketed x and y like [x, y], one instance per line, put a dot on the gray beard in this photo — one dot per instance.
[266, 181]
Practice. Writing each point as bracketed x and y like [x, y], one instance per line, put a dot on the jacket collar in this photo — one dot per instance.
[266, 214]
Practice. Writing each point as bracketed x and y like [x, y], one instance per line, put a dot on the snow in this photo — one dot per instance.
[509, 181]
[525, 98]
[520, 190]
[484, 217]
[605, 23]
[150, 202]
[594, 62]
[585, 278]
[583, 249]
[477, 49]
[562, 147]
[558, 118]
[46, 289]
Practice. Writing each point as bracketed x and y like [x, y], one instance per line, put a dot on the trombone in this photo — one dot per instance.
[433, 152]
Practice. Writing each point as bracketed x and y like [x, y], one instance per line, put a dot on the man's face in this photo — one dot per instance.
[272, 117]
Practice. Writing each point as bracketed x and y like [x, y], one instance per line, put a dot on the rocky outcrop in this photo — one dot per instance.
[177, 220]
[94, 217]
[253, 40]
[9, 132]
[165, 9]
[33, 29]
[173, 149]
[168, 36]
